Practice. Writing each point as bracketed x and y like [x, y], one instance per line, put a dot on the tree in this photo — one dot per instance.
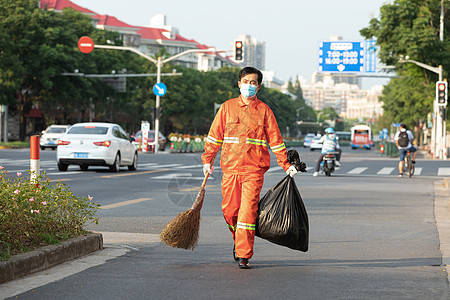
[304, 112]
[410, 28]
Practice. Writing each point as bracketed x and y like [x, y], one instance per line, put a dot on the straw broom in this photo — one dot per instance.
[182, 231]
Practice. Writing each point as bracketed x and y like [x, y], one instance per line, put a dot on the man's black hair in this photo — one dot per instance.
[403, 125]
[250, 70]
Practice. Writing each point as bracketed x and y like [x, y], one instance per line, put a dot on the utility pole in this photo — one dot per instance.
[442, 109]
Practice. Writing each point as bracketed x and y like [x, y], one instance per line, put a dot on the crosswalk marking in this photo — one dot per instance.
[357, 170]
[168, 166]
[50, 168]
[184, 175]
[198, 166]
[385, 171]
[443, 171]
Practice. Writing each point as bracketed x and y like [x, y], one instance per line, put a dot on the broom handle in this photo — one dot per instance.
[207, 173]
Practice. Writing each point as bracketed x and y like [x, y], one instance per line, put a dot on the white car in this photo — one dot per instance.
[307, 140]
[96, 144]
[50, 136]
[315, 144]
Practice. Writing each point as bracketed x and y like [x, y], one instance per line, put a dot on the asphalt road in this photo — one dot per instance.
[372, 235]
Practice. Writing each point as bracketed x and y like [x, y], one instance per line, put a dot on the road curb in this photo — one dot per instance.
[49, 256]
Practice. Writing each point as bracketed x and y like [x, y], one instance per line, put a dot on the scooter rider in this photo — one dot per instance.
[330, 143]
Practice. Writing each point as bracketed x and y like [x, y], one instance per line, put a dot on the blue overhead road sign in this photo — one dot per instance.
[159, 89]
[346, 57]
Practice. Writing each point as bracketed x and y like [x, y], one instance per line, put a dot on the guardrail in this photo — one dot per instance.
[184, 146]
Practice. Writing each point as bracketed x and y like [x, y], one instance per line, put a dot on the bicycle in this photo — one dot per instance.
[408, 166]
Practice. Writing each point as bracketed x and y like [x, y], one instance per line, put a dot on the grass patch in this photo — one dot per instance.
[15, 144]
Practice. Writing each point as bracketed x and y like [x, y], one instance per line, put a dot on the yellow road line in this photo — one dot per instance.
[133, 173]
[119, 204]
[60, 179]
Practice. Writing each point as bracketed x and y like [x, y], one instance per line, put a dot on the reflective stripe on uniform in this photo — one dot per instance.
[214, 141]
[246, 226]
[256, 142]
[278, 147]
[231, 140]
[232, 227]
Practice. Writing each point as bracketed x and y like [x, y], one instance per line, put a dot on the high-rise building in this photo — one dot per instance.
[254, 52]
[347, 99]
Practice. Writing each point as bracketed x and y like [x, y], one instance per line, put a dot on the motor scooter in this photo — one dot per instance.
[328, 163]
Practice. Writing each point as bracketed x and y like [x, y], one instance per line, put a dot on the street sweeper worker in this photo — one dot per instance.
[241, 127]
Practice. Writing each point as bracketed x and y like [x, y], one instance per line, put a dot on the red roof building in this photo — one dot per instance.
[59, 5]
[150, 40]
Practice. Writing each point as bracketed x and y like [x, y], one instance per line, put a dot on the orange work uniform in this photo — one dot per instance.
[243, 131]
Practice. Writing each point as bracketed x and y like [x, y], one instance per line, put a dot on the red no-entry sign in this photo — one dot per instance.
[85, 44]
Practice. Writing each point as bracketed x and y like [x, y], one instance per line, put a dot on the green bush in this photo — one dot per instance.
[37, 212]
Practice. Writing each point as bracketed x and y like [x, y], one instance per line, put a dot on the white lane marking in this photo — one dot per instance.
[357, 170]
[167, 166]
[198, 166]
[417, 171]
[66, 173]
[170, 176]
[444, 172]
[385, 171]
[147, 164]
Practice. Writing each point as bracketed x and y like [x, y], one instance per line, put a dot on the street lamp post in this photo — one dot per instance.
[158, 62]
[438, 134]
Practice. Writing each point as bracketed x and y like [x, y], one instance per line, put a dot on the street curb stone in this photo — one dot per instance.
[46, 257]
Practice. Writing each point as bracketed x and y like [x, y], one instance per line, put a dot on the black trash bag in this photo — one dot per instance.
[282, 217]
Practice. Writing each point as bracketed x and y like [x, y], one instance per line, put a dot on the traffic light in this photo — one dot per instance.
[238, 48]
[441, 93]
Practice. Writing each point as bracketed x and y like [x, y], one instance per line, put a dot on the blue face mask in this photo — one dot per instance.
[248, 90]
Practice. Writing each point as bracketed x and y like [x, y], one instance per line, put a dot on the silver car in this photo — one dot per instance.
[96, 144]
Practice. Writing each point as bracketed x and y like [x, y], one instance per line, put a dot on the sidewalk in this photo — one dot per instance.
[442, 215]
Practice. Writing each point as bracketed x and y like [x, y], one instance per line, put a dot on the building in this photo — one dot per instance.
[349, 78]
[254, 52]
[347, 99]
[151, 39]
[270, 80]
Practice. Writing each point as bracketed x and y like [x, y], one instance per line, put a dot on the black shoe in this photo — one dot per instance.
[413, 161]
[243, 263]
[234, 253]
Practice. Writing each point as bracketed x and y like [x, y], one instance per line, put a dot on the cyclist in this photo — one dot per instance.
[404, 140]
[330, 143]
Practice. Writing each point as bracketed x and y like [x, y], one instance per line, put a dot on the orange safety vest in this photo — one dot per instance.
[242, 131]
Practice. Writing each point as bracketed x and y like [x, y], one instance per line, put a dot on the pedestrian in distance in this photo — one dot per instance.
[241, 127]
[404, 140]
[330, 143]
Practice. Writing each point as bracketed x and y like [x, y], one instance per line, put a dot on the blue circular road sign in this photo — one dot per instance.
[159, 89]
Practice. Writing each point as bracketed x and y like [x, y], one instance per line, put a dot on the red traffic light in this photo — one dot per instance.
[238, 44]
[441, 86]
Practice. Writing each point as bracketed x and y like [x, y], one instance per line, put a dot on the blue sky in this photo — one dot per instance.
[291, 29]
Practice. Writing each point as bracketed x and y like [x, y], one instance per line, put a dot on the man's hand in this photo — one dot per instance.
[291, 171]
[207, 169]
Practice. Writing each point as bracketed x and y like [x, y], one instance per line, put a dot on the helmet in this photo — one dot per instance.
[329, 130]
